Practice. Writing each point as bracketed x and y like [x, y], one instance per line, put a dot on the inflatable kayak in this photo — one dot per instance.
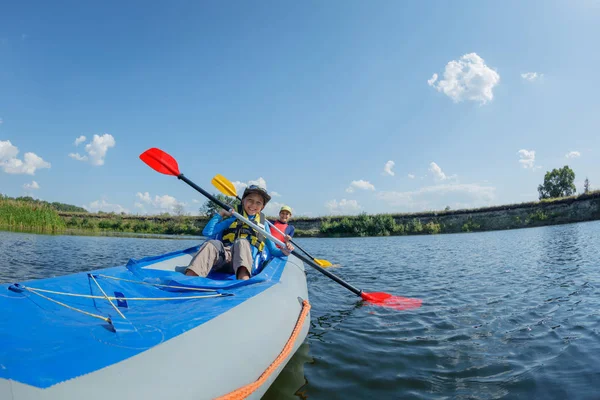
[147, 331]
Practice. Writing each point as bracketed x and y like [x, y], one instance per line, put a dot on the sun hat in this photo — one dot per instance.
[258, 190]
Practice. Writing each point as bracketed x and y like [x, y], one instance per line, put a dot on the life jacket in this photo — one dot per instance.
[282, 227]
[239, 229]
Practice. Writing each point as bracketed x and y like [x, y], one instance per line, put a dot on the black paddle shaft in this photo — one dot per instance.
[345, 284]
[310, 262]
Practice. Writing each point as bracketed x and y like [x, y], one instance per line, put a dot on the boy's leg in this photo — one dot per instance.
[242, 259]
[212, 254]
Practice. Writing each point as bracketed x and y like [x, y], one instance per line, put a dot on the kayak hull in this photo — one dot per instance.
[186, 349]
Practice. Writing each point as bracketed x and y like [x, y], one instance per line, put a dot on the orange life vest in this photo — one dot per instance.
[282, 227]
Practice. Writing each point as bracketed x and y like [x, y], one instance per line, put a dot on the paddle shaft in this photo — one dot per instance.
[310, 262]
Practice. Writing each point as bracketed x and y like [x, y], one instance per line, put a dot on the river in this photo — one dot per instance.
[506, 314]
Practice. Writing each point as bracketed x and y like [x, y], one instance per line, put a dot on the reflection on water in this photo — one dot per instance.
[291, 381]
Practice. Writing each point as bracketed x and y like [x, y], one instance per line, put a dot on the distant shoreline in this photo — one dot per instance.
[25, 216]
[78, 232]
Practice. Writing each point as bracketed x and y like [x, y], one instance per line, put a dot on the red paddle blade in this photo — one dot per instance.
[387, 300]
[160, 161]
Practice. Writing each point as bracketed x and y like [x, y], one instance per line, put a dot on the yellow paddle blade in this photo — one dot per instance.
[323, 263]
[224, 185]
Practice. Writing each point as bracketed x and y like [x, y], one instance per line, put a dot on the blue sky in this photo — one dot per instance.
[313, 99]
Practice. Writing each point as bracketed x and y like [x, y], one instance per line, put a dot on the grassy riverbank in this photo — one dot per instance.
[45, 217]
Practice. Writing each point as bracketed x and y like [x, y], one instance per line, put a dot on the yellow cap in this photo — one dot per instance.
[286, 208]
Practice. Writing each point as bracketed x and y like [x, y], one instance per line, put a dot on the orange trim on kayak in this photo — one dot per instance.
[247, 390]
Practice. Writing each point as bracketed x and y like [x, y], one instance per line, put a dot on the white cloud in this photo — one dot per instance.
[145, 197]
[164, 202]
[1, 121]
[195, 201]
[259, 182]
[433, 197]
[103, 205]
[527, 158]
[467, 79]
[437, 171]
[80, 140]
[275, 194]
[433, 79]
[411, 176]
[438, 174]
[12, 165]
[31, 186]
[573, 154]
[138, 205]
[7, 151]
[240, 186]
[360, 184]
[343, 206]
[531, 76]
[96, 149]
[78, 157]
[387, 169]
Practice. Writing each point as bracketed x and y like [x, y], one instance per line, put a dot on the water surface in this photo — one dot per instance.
[510, 314]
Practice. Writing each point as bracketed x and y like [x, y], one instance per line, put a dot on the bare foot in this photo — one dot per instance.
[189, 272]
[242, 274]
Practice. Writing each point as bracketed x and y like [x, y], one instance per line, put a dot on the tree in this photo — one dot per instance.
[558, 183]
[179, 210]
[586, 185]
[209, 208]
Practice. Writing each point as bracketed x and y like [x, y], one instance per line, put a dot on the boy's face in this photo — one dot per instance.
[253, 204]
[284, 216]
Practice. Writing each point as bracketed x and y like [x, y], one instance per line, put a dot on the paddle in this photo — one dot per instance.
[226, 187]
[166, 164]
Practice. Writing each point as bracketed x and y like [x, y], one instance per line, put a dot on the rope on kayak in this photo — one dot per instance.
[106, 296]
[247, 390]
[105, 319]
[157, 284]
[90, 296]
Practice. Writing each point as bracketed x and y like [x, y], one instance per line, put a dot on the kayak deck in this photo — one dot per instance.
[43, 343]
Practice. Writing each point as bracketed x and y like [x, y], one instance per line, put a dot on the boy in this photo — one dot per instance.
[285, 213]
[237, 244]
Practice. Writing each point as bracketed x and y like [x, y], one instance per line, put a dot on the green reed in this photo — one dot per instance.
[24, 215]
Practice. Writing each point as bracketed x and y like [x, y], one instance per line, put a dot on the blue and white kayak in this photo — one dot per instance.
[147, 331]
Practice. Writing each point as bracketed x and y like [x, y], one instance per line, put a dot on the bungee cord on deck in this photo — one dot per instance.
[17, 287]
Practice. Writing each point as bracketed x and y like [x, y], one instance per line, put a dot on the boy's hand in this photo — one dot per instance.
[225, 213]
[287, 250]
